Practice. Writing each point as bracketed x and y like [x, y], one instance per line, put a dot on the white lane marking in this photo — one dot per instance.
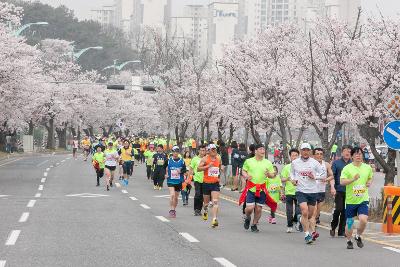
[162, 218]
[63, 160]
[41, 163]
[133, 198]
[24, 217]
[189, 237]
[51, 166]
[145, 206]
[9, 162]
[48, 169]
[12, 238]
[2, 263]
[40, 187]
[45, 174]
[224, 262]
[392, 249]
[57, 163]
[4, 195]
[67, 158]
[118, 185]
[43, 180]
[31, 203]
[124, 191]
[86, 195]
[38, 195]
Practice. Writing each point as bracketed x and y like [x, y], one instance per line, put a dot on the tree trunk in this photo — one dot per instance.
[220, 127]
[177, 134]
[254, 133]
[282, 129]
[110, 129]
[31, 127]
[246, 137]
[202, 132]
[209, 133]
[104, 131]
[268, 136]
[371, 134]
[231, 132]
[323, 135]
[126, 132]
[50, 135]
[86, 131]
[73, 131]
[299, 137]
[91, 131]
[62, 137]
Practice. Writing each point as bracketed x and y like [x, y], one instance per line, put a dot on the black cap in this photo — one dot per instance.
[257, 146]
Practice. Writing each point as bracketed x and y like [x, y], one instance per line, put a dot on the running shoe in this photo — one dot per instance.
[108, 189]
[171, 214]
[308, 239]
[350, 244]
[360, 244]
[297, 227]
[289, 230]
[98, 185]
[160, 188]
[111, 185]
[273, 220]
[214, 223]
[247, 223]
[197, 213]
[332, 233]
[314, 235]
[269, 219]
[254, 228]
[205, 216]
[155, 187]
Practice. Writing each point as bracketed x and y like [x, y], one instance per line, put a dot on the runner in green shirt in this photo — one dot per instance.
[334, 151]
[357, 177]
[198, 180]
[148, 154]
[256, 170]
[274, 187]
[98, 160]
[290, 194]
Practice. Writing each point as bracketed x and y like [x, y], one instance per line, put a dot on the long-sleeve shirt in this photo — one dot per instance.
[337, 168]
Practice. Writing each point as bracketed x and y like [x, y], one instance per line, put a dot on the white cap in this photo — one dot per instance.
[175, 149]
[211, 146]
[305, 146]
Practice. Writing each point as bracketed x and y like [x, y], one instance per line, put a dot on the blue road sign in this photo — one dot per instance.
[391, 135]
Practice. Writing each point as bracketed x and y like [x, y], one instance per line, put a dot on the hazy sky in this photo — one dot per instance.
[82, 8]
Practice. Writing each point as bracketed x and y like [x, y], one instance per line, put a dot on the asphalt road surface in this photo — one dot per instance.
[52, 214]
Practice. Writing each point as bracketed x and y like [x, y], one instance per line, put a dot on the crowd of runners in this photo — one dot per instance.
[206, 168]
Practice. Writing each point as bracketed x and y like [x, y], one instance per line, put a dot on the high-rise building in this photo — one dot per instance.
[123, 14]
[156, 14]
[191, 28]
[105, 16]
[223, 18]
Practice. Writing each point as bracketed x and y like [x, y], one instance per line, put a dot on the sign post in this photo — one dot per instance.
[391, 136]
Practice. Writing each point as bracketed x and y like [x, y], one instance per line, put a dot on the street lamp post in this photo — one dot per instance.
[76, 55]
[26, 26]
[120, 67]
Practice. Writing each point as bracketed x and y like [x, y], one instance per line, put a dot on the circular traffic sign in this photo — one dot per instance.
[391, 135]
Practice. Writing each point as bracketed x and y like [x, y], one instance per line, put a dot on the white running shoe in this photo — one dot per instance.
[289, 230]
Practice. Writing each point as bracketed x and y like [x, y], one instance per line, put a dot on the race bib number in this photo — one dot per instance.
[304, 174]
[213, 172]
[175, 174]
[359, 190]
[160, 162]
[273, 188]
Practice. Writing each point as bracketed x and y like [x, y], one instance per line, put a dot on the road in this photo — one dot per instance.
[46, 221]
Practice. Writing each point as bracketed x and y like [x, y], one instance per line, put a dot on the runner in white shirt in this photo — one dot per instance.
[304, 172]
[75, 146]
[325, 177]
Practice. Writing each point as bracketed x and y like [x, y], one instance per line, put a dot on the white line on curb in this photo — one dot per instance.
[392, 249]
[24, 217]
[224, 262]
[162, 218]
[38, 195]
[45, 174]
[51, 166]
[48, 169]
[2, 263]
[124, 191]
[31, 203]
[40, 188]
[189, 238]
[133, 198]
[12, 239]
[145, 206]
[43, 180]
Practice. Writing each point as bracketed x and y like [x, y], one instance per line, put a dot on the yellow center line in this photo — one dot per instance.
[323, 226]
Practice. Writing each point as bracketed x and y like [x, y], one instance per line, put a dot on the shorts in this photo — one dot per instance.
[353, 210]
[111, 168]
[320, 197]
[208, 188]
[127, 167]
[177, 187]
[251, 199]
[74, 150]
[310, 198]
